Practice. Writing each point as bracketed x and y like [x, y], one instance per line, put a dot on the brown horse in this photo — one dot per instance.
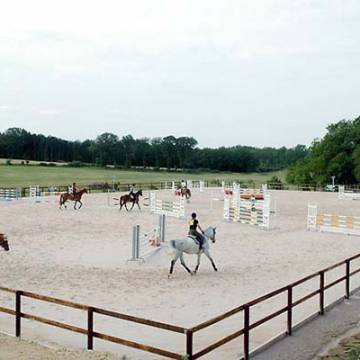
[185, 192]
[72, 197]
[130, 199]
[4, 243]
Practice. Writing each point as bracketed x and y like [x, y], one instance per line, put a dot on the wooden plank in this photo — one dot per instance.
[335, 282]
[289, 311]
[246, 332]
[219, 343]
[54, 300]
[355, 272]
[18, 313]
[90, 330]
[321, 292]
[138, 320]
[189, 345]
[138, 346]
[12, 291]
[216, 319]
[347, 283]
[267, 318]
[306, 297]
[54, 323]
[7, 311]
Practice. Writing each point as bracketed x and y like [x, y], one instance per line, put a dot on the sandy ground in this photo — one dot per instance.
[82, 256]
[14, 349]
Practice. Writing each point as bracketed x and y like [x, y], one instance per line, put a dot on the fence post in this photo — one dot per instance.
[135, 243]
[347, 284]
[18, 313]
[189, 344]
[289, 311]
[322, 282]
[90, 343]
[162, 227]
[246, 331]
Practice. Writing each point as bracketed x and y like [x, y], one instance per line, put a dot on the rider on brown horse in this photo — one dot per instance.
[132, 192]
[76, 197]
[73, 188]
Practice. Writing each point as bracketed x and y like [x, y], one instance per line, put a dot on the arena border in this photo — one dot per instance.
[189, 332]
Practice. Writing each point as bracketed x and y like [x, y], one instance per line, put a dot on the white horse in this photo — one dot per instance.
[188, 245]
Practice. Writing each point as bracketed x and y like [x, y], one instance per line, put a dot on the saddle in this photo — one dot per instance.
[197, 242]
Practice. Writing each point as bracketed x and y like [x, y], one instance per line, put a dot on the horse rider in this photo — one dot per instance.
[132, 191]
[193, 226]
[73, 188]
[183, 184]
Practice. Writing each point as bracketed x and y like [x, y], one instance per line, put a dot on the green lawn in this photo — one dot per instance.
[22, 175]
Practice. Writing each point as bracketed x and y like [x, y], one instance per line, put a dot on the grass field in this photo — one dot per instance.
[19, 175]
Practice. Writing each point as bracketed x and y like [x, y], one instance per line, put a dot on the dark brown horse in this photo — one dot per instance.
[130, 199]
[72, 197]
[185, 192]
[3, 242]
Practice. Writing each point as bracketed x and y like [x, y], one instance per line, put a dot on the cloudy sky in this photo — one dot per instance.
[260, 72]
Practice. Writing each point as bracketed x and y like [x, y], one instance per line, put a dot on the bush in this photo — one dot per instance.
[8, 162]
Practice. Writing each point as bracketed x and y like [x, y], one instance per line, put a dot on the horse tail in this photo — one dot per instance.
[172, 244]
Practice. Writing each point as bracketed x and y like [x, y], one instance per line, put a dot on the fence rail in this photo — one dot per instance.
[245, 331]
[166, 184]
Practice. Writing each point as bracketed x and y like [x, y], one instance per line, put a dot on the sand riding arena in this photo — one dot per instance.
[82, 256]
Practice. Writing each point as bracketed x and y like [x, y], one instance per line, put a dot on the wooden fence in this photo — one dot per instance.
[245, 331]
[105, 186]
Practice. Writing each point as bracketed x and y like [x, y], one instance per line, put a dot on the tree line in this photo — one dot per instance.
[168, 152]
[337, 154]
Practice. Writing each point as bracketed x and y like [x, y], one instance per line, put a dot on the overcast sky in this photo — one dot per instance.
[255, 72]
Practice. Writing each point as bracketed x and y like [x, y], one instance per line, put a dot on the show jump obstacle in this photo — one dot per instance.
[347, 195]
[34, 194]
[248, 211]
[349, 225]
[169, 208]
[146, 244]
[10, 194]
[246, 193]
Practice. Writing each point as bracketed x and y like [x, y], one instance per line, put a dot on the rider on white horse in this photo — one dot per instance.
[193, 226]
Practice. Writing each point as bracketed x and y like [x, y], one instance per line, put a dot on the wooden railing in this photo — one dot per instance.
[89, 331]
[245, 331]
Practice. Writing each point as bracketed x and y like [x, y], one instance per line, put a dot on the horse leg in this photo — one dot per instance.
[80, 204]
[198, 263]
[173, 261]
[137, 203]
[206, 252]
[132, 205]
[184, 265]
[126, 206]
[75, 204]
